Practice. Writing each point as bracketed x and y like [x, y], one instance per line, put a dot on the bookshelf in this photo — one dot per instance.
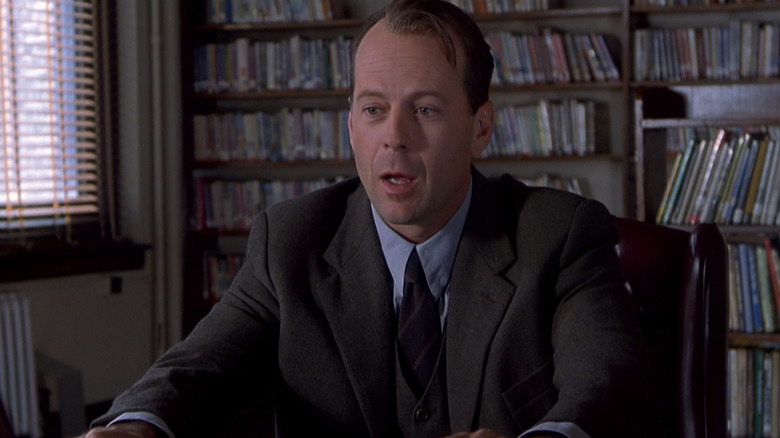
[717, 106]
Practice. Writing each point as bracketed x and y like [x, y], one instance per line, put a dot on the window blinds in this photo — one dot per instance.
[51, 177]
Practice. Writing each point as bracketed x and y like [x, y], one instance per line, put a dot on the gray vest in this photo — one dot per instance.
[423, 415]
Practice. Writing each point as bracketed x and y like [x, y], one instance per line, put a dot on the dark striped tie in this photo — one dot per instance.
[419, 329]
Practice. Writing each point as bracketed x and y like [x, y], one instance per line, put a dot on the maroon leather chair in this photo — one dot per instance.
[6, 431]
[680, 282]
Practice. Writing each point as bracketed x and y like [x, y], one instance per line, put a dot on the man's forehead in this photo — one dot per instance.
[380, 35]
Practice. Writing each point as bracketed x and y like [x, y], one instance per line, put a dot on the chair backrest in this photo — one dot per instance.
[5, 424]
[680, 282]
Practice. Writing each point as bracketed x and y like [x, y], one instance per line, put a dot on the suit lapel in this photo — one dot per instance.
[479, 295]
[357, 301]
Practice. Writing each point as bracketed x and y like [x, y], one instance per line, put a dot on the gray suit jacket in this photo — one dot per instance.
[540, 327]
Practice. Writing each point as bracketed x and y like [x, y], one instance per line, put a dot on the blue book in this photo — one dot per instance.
[745, 175]
[744, 286]
[755, 295]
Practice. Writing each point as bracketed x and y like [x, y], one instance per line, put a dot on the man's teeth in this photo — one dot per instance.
[394, 180]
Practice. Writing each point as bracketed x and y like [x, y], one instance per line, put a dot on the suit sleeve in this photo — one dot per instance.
[226, 364]
[602, 368]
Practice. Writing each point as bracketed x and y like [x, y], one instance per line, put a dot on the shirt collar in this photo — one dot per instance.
[437, 254]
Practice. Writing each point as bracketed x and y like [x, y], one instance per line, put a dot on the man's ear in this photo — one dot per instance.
[483, 129]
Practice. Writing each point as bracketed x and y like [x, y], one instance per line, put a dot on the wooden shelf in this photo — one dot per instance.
[281, 94]
[616, 85]
[704, 83]
[265, 164]
[589, 157]
[693, 123]
[548, 14]
[728, 7]
[754, 340]
[337, 24]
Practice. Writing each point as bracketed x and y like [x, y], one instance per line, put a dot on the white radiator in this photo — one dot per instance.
[17, 365]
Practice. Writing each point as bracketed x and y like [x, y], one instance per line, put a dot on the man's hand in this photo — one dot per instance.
[486, 433]
[481, 433]
[127, 429]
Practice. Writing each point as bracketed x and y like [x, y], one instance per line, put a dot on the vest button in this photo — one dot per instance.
[422, 414]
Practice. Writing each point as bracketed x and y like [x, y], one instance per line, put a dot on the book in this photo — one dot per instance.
[726, 204]
[679, 179]
[767, 169]
[716, 187]
[591, 56]
[663, 205]
[775, 427]
[747, 298]
[707, 185]
[754, 289]
[773, 269]
[734, 389]
[736, 315]
[758, 391]
[745, 173]
[755, 180]
[641, 54]
[601, 43]
[769, 190]
[765, 293]
[691, 182]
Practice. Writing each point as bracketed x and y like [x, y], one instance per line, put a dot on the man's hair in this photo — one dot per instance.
[451, 26]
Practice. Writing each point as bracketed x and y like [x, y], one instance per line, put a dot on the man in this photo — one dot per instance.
[533, 332]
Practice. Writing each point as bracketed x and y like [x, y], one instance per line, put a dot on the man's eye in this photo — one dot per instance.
[425, 111]
[371, 110]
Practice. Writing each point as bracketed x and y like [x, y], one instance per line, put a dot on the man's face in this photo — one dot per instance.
[412, 131]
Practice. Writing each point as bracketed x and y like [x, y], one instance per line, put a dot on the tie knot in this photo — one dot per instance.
[414, 270]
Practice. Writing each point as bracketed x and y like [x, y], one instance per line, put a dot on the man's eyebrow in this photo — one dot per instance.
[369, 93]
[416, 95]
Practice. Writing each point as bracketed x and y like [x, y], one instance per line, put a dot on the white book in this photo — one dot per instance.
[773, 196]
[691, 183]
[641, 54]
[717, 181]
[767, 172]
[769, 187]
[693, 53]
[240, 49]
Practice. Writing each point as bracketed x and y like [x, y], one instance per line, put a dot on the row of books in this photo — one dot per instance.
[231, 205]
[754, 286]
[482, 7]
[219, 270]
[270, 11]
[572, 185]
[547, 128]
[739, 50]
[726, 180]
[18, 388]
[292, 134]
[294, 63]
[553, 57]
[754, 393]
[677, 138]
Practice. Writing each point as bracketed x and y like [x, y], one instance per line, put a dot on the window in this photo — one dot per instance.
[55, 144]
[57, 204]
